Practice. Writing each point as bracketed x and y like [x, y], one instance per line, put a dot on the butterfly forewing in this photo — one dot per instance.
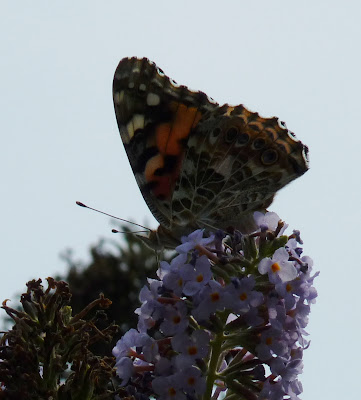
[155, 118]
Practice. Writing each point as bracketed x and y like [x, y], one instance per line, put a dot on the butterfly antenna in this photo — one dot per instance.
[116, 231]
[79, 203]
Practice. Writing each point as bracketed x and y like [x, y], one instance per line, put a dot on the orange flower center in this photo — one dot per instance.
[243, 296]
[215, 297]
[191, 381]
[275, 267]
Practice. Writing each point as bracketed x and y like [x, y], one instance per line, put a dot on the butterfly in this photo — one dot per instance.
[199, 164]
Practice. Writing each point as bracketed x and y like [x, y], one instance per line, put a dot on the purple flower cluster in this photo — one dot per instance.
[227, 314]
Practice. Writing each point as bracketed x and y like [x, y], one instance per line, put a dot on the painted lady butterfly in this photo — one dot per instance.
[198, 164]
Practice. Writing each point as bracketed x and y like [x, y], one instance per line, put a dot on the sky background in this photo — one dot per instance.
[60, 143]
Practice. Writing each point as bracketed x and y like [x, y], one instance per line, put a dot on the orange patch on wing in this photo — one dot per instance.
[168, 138]
[164, 187]
[163, 184]
[152, 165]
[170, 134]
[162, 136]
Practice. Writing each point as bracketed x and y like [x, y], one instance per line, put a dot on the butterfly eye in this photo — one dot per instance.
[259, 143]
[269, 157]
[231, 134]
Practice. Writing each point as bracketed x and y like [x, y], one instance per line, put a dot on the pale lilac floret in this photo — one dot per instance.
[170, 273]
[287, 290]
[125, 369]
[268, 220]
[242, 297]
[175, 319]
[252, 317]
[150, 292]
[150, 348]
[196, 277]
[190, 348]
[278, 267]
[301, 313]
[293, 388]
[174, 282]
[168, 387]
[288, 370]
[163, 367]
[125, 343]
[273, 341]
[151, 309]
[276, 313]
[175, 265]
[212, 298]
[145, 323]
[293, 247]
[193, 382]
[194, 239]
[272, 391]
[132, 340]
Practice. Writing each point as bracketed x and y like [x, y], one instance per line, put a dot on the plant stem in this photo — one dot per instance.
[213, 363]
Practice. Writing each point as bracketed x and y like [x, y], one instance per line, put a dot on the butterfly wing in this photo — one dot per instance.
[235, 163]
[198, 164]
[155, 118]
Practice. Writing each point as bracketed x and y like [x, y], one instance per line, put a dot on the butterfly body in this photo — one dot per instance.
[198, 164]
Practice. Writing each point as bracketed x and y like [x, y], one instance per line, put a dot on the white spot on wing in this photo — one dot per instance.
[292, 136]
[282, 124]
[160, 72]
[211, 100]
[118, 97]
[142, 87]
[153, 99]
[130, 131]
[174, 83]
[137, 122]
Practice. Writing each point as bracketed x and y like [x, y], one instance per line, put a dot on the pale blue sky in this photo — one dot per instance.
[299, 61]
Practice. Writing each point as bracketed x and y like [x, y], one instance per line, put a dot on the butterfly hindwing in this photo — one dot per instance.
[241, 160]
